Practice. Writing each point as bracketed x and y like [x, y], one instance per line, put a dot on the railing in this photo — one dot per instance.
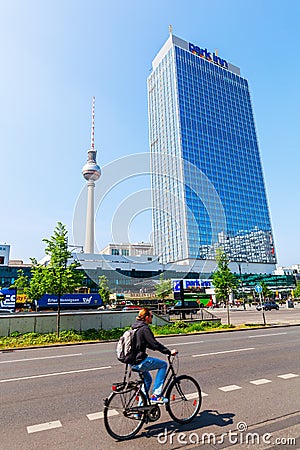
[190, 314]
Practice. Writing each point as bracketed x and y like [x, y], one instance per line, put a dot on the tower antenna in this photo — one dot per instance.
[93, 125]
[170, 29]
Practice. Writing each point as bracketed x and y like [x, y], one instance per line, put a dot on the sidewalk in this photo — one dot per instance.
[239, 316]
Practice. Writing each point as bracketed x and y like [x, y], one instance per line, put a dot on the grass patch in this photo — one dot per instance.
[19, 340]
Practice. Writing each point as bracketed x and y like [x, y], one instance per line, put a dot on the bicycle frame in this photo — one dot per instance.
[170, 373]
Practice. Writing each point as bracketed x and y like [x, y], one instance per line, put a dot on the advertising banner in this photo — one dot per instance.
[8, 299]
[70, 301]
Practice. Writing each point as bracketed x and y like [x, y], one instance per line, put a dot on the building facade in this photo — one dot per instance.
[141, 248]
[4, 254]
[206, 175]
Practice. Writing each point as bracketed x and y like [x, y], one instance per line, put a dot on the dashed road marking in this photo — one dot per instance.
[225, 351]
[232, 387]
[100, 415]
[44, 426]
[42, 357]
[193, 395]
[286, 376]
[54, 374]
[265, 335]
[261, 381]
[188, 343]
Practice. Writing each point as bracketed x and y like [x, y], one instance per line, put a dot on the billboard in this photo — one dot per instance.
[7, 299]
[69, 301]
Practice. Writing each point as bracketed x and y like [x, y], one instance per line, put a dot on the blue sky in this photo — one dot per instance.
[55, 55]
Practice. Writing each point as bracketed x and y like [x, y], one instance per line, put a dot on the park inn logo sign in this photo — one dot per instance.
[191, 283]
[204, 53]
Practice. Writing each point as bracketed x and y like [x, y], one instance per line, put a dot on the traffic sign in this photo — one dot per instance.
[258, 288]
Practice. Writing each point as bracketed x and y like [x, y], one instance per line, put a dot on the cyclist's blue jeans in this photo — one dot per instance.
[150, 363]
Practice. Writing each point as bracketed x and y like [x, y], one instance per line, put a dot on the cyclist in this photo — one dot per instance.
[144, 363]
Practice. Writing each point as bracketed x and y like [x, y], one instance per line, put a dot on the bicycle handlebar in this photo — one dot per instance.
[172, 356]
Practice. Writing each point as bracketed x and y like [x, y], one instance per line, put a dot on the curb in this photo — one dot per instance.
[225, 330]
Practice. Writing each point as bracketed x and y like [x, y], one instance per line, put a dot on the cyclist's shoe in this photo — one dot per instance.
[158, 399]
[137, 416]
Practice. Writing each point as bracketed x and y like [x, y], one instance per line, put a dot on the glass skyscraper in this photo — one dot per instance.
[206, 176]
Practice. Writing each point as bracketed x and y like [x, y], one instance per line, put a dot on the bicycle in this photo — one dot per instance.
[128, 407]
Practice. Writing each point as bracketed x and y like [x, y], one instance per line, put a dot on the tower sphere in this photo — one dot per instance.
[91, 171]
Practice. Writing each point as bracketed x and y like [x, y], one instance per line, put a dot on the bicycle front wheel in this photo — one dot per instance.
[184, 395]
[123, 414]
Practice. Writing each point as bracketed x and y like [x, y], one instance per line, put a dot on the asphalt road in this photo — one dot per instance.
[51, 397]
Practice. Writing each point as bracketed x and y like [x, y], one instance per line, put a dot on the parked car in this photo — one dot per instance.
[131, 308]
[190, 306]
[267, 306]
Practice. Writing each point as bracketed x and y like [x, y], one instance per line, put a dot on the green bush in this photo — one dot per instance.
[17, 340]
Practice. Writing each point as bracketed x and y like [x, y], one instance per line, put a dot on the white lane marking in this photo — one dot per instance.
[261, 381]
[54, 374]
[286, 376]
[265, 335]
[100, 415]
[42, 357]
[44, 426]
[232, 387]
[193, 395]
[187, 343]
[225, 351]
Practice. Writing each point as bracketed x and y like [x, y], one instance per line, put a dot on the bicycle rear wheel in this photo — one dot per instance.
[185, 399]
[123, 414]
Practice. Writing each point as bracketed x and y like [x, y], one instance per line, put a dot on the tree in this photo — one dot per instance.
[60, 277]
[104, 289]
[163, 288]
[224, 281]
[57, 277]
[297, 291]
[36, 286]
[266, 292]
[21, 282]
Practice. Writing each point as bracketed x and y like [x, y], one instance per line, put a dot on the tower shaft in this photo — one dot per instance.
[90, 219]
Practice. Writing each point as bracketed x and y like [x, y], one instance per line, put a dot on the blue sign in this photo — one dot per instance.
[258, 288]
[70, 301]
[8, 299]
[204, 53]
[191, 283]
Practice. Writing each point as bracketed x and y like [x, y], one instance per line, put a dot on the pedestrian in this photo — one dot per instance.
[144, 363]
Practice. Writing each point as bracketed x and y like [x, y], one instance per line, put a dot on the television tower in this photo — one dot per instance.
[91, 172]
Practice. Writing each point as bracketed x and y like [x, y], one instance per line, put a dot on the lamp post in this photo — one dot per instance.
[239, 264]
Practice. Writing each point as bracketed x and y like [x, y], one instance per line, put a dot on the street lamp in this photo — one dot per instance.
[239, 264]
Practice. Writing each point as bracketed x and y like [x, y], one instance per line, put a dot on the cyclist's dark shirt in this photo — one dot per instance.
[145, 339]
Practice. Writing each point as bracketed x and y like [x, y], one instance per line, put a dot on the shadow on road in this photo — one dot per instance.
[206, 418]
